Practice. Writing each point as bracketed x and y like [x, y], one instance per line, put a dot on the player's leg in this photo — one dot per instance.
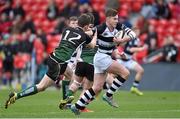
[76, 83]
[101, 63]
[99, 79]
[87, 84]
[47, 80]
[139, 73]
[66, 81]
[122, 75]
[88, 77]
[109, 80]
[44, 83]
[77, 78]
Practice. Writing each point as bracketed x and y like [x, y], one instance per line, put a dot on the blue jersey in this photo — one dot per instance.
[130, 44]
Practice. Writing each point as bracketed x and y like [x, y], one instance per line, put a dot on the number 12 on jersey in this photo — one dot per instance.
[71, 36]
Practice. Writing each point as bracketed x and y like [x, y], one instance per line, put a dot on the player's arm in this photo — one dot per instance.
[129, 34]
[92, 44]
[137, 49]
[118, 55]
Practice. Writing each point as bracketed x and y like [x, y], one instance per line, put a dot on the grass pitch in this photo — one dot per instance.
[45, 105]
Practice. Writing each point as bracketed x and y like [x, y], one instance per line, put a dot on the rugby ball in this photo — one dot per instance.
[120, 34]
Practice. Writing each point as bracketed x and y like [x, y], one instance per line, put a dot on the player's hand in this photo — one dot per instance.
[117, 40]
[89, 32]
[95, 34]
[122, 55]
[144, 47]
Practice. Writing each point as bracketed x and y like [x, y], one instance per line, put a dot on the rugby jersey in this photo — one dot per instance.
[105, 37]
[130, 44]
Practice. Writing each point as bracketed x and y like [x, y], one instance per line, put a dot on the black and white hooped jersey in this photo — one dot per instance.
[105, 37]
[130, 44]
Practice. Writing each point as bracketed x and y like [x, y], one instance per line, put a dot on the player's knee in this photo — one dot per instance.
[141, 71]
[77, 83]
[40, 88]
[125, 74]
[97, 89]
[86, 87]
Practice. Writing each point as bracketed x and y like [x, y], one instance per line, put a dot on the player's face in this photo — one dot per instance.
[73, 24]
[113, 21]
[91, 26]
[86, 28]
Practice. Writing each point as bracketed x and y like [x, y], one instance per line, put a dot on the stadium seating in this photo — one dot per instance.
[37, 9]
[53, 41]
[20, 60]
[39, 50]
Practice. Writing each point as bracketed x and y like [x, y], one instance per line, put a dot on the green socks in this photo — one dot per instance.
[69, 93]
[27, 92]
[65, 88]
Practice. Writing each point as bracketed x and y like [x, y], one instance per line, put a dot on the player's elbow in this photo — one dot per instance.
[92, 45]
[132, 34]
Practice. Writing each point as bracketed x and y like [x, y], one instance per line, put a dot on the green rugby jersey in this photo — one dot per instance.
[72, 39]
[88, 54]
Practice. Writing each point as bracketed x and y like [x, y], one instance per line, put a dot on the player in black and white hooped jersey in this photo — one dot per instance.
[103, 62]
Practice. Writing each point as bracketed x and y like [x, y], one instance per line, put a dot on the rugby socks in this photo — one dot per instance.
[69, 93]
[84, 100]
[65, 88]
[27, 92]
[135, 83]
[117, 83]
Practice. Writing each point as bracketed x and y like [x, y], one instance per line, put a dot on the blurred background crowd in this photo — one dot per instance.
[31, 29]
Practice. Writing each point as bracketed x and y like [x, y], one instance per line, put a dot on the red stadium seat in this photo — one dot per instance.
[171, 30]
[143, 37]
[163, 23]
[125, 7]
[123, 13]
[136, 6]
[160, 40]
[177, 39]
[20, 61]
[96, 7]
[102, 16]
[52, 41]
[149, 1]
[140, 55]
[153, 22]
[160, 30]
[173, 23]
[39, 49]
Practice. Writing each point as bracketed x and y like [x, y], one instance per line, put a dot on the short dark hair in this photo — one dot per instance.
[84, 20]
[73, 18]
[111, 12]
[91, 17]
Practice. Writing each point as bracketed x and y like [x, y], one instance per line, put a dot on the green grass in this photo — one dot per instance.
[45, 105]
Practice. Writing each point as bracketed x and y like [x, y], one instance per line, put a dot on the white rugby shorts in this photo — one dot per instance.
[101, 62]
[130, 64]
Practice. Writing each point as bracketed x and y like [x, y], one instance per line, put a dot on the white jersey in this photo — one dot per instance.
[105, 37]
[103, 59]
[76, 57]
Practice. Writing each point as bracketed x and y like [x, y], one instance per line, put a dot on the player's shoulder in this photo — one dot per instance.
[101, 27]
[76, 30]
[68, 28]
[119, 26]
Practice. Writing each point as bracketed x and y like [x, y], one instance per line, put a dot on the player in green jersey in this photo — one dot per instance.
[72, 39]
[84, 73]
